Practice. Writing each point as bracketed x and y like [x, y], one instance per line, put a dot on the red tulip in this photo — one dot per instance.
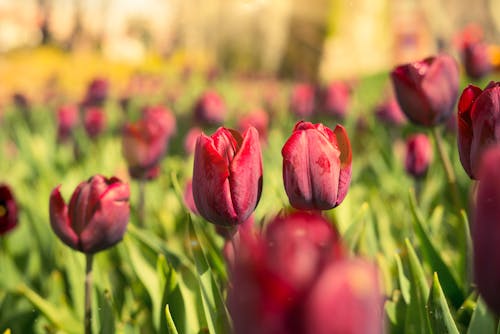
[390, 113]
[96, 217]
[418, 155]
[94, 121]
[427, 90]
[316, 166]
[477, 60]
[346, 299]
[259, 119]
[336, 99]
[145, 142]
[227, 175]
[303, 100]
[486, 230]
[478, 123]
[191, 138]
[97, 93]
[188, 197]
[210, 108]
[67, 118]
[8, 209]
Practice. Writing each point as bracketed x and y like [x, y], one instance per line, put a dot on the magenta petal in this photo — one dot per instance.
[211, 184]
[59, 220]
[245, 179]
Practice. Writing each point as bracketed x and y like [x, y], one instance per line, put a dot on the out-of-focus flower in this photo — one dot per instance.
[418, 155]
[210, 109]
[316, 166]
[97, 93]
[259, 119]
[191, 138]
[477, 61]
[94, 121]
[486, 231]
[96, 217]
[8, 209]
[188, 197]
[389, 112]
[478, 123]
[67, 118]
[427, 90]
[163, 116]
[335, 99]
[227, 175]
[303, 100]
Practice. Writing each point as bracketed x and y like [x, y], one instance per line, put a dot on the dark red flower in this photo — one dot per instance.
[67, 118]
[8, 209]
[96, 217]
[418, 155]
[210, 109]
[97, 93]
[94, 121]
[389, 112]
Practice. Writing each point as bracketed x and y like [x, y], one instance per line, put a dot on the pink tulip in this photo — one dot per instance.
[335, 99]
[303, 100]
[67, 118]
[418, 155]
[210, 108]
[94, 121]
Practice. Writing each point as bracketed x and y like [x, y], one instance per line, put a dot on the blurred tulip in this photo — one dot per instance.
[259, 119]
[188, 197]
[96, 217]
[303, 100]
[486, 231]
[94, 121]
[427, 90]
[476, 59]
[346, 299]
[8, 209]
[227, 175]
[210, 109]
[478, 123]
[67, 118]
[191, 138]
[163, 116]
[335, 99]
[389, 112]
[418, 155]
[316, 166]
[97, 93]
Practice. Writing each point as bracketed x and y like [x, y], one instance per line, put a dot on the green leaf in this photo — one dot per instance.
[216, 314]
[353, 233]
[440, 317]
[416, 320]
[482, 320]
[59, 316]
[105, 314]
[171, 326]
[433, 257]
[404, 283]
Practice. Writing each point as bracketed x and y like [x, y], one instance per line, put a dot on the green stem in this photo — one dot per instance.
[448, 169]
[88, 294]
[142, 202]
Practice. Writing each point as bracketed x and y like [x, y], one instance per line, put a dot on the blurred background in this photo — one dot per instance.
[64, 43]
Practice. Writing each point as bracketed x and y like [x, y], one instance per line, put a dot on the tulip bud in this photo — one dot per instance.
[486, 231]
[418, 155]
[94, 121]
[346, 299]
[67, 118]
[390, 113]
[96, 217]
[210, 108]
[8, 209]
[145, 142]
[303, 100]
[336, 99]
[316, 166]
[476, 60]
[427, 90]
[97, 93]
[478, 121]
[227, 175]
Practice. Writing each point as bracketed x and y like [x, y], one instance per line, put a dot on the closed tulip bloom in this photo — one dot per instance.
[303, 100]
[67, 118]
[227, 175]
[8, 209]
[316, 166]
[336, 99]
[389, 112]
[210, 108]
[427, 90]
[96, 217]
[418, 155]
[97, 93]
[486, 230]
[478, 124]
[476, 59]
[94, 121]
[346, 299]
[163, 117]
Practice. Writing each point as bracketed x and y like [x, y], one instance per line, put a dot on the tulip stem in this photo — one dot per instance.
[448, 169]
[142, 202]
[88, 294]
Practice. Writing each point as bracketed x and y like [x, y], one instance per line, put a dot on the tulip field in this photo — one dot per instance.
[237, 204]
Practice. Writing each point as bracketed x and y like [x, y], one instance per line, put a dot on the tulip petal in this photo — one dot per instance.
[344, 146]
[211, 190]
[59, 220]
[245, 172]
[109, 218]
